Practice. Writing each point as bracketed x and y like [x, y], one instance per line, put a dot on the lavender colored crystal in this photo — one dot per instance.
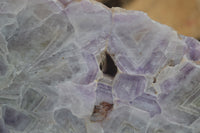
[3, 129]
[15, 119]
[127, 87]
[67, 120]
[147, 103]
[76, 66]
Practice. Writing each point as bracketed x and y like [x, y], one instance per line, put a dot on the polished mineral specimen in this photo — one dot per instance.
[76, 66]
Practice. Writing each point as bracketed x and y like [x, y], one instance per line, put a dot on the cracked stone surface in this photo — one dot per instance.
[76, 66]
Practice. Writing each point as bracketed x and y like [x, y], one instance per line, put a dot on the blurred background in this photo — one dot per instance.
[182, 15]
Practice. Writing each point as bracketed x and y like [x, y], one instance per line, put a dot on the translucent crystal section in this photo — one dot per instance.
[76, 66]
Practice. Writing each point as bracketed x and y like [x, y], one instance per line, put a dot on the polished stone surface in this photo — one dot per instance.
[71, 66]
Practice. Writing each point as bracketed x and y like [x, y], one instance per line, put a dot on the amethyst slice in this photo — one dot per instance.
[77, 66]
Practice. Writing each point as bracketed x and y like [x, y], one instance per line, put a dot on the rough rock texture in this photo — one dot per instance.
[72, 66]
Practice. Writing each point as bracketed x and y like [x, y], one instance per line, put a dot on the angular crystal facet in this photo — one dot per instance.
[15, 119]
[76, 66]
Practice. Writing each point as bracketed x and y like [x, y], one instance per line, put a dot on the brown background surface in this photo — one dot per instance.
[182, 15]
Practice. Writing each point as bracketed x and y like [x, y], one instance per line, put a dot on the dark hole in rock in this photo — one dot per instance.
[154, 80]
[111, 3]
[116, 3]
[171, 63]
[107, 65]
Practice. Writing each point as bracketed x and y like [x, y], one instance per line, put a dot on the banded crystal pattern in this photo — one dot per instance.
[76, 66]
